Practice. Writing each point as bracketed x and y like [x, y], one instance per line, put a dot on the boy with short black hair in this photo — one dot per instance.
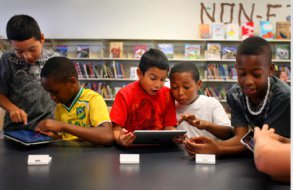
[258, 98]
[199, 115]
[145, 104]
[80, 113]
[21, 94]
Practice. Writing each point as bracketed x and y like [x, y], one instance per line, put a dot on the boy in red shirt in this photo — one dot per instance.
[145, 104]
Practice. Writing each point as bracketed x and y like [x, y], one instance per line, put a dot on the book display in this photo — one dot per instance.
[283, 30]
[108, 65]
[266, 29]
[232, 31]
[247, 30]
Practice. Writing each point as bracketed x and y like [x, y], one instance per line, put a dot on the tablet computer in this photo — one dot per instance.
[156, 136]
[248, 141]
[28, 137]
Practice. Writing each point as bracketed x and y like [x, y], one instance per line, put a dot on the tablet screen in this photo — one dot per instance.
[27, 136]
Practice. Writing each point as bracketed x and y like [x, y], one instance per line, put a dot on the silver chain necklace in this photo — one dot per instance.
[263, 104]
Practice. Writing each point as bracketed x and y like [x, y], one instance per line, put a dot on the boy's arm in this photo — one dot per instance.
[116, 132]
[16, 114]
[234, 141]
[222, 132]
[99, 135]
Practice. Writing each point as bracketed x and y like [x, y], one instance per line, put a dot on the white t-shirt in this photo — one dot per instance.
[205, 108]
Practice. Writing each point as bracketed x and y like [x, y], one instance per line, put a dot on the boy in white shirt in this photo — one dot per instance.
[198, 114]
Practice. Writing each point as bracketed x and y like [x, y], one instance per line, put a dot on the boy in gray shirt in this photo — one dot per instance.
[21, 93]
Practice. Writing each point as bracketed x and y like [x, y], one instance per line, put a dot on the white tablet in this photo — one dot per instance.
[28, 137]
[156, 136]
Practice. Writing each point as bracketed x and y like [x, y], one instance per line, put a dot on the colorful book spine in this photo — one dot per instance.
[78, 70]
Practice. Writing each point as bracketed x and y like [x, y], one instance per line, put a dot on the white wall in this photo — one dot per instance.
[128, 19]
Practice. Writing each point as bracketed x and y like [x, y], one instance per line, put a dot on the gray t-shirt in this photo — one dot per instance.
[276, 112]
[20, 83]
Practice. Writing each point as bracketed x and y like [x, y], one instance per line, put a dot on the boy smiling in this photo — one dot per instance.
[258, 98]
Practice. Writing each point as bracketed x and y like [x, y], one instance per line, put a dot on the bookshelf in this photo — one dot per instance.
[106, 65]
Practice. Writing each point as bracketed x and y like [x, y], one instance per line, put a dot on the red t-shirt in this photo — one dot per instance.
[134, 109]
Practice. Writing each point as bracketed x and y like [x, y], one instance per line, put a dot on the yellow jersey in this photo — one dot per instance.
[88, 109]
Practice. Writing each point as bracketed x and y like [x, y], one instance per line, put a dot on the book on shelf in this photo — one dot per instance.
[216, 92]
[283, 30]
[91, 70]
[139, 50]
[229, 52]
[71, 51]
[116, 49]
[83, 51]
[232, 31]
[78, 70]
[118, 71]
[204, 31]
[218, 31]
[84, 70]
[102, 88]
[107, 71]
[192, 51]
[282, 52]
[95, 52]
[284, 68]
[116, 90]
[224, 71]
[266, 29]
[247, 29]
[213, 51]
[62, 49]
[132, 73]
[167, 49]
[96, 71]
[232, 72]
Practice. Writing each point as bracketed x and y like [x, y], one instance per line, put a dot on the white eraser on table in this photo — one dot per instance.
[38, 159]
[129, 158]
[205, 158]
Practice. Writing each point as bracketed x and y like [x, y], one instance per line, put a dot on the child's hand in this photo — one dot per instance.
[18, 116]
[49, 127]
[265, 133]
[193, 120]
[126, 138]
[201, 145]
